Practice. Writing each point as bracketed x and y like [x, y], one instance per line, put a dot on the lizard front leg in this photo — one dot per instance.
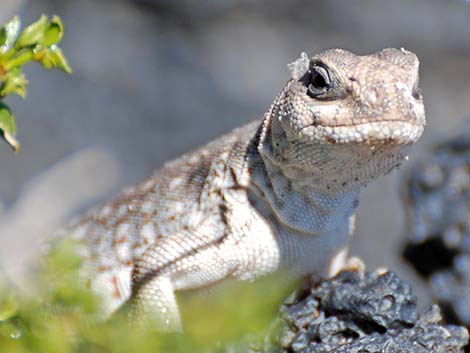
[155, 301]
[187, 260]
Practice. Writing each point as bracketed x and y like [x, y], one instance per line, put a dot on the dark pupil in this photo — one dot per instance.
[318, 81]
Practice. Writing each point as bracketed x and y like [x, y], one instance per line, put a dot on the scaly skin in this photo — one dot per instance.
[279, 193]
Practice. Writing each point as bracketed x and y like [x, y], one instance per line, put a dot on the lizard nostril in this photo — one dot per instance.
[416, 93]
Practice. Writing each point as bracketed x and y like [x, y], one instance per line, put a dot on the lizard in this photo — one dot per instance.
[279, 193]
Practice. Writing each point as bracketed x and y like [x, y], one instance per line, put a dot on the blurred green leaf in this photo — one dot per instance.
[8, 126]
[54, 31]
[8, 307]
[9, 33]
[33, 34]
[43, 32]
[14, 82]
[8, 303]
[53, 58]
[234, 309]
[60, 269]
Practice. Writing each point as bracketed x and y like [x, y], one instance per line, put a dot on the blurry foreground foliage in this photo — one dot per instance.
[38, 42]
[59, 315]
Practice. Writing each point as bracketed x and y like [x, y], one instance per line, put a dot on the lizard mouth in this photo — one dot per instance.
[392, 132]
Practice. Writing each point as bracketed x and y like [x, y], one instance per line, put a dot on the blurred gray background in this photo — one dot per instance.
[155, 78]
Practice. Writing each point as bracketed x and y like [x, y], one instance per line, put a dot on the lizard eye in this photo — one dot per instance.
[319, 79]
[322, 83]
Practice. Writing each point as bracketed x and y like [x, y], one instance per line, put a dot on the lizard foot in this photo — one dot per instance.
[341, 262]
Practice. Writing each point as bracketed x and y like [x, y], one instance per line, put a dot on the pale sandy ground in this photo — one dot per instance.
[151, 84]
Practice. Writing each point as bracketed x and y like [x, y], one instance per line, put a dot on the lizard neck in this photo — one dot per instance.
[298, 200]
[304, 207]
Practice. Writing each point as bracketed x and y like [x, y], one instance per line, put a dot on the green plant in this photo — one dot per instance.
[59, 314]
[38, 42]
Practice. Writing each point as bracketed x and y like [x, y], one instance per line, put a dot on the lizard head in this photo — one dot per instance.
[349, 115]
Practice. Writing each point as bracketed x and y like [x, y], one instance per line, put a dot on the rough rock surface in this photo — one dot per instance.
[372, 313]
[437, 195]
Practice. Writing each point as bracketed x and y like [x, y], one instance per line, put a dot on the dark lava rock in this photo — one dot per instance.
[437, 198]
[362, 314]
